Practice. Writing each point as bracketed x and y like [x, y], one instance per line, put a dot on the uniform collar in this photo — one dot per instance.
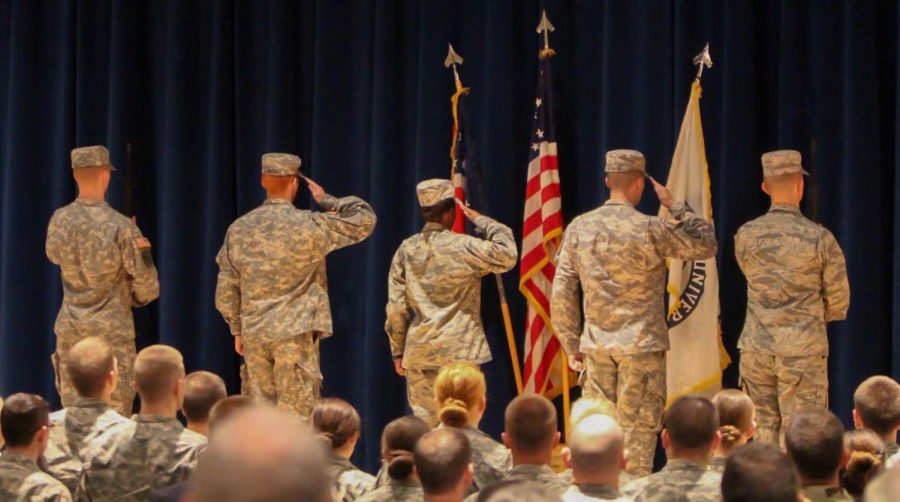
[280, 202]
[784, 208]
[685, 466]
[618, 202]
[533, 469]
[90, 402]
[405, 483]
[599, 491]
[432, 226]
[91, 202]
[156, 419]
[819, 491]
[19, 459]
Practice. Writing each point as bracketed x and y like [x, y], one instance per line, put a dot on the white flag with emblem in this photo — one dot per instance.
[697, 357]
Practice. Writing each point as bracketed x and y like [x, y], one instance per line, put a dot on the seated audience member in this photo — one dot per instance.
[443, 461]
[518, 490]
[25, 422]
[460, 395]
[262, 454]
[865, 461]
[884, 488]
[737, 424]
[581, 409]
[760, 472]
[217, 415]
[202, 390]
[530, 433]
[338, 423]
[116, 461]
[398, 440]
[596, 455]
[93, 371]
[815, 442]
[876, 406]
[690, 435]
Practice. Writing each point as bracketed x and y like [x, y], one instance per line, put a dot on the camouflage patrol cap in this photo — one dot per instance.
[625, 161]
[430, 192]
[281, 164]
[91, 156]
[782, 162]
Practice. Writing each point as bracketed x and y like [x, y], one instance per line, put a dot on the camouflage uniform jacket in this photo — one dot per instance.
[618, 257]
[541, 474]
[624, 477]
[106, 267]
[490, 459]
[718, 464]
[434, 293]
[129, 461]
[350, 483]
[21, 480]
[678, 481]
[796, 282]
[396, 491]
[272, 280]
[73, 428]
[587, 493]
[826, 494]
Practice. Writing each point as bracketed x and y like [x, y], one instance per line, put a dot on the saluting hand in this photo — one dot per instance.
[470, 213]
[317, 192]
[665, 196]
[576, 363]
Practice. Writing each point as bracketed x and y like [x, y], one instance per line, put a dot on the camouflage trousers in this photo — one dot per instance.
[123, 396]
[778, 385]
[636, 386]
[420, 393]
[284, 372]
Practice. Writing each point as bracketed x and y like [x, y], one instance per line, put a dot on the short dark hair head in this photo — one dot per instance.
[435, 213]
[759, 472]
[691, 422]
[517, 490]
[442, 457]
[398, 440]
[88, 364]
[228, 407]
[530, 423]
[22, 417]
[815, 442]
[336, 420]
[202, 390]
[877, 401]
[157, 368]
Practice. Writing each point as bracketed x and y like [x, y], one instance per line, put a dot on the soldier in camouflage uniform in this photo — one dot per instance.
[434, 293]
[796, 283]
[690, 436]
[92, 371]
[25, 421]
[117, 463]
[617, 256]
[106, 268]
[339, 424]
[272, 288]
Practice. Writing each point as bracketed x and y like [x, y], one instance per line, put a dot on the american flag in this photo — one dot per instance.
[541, 235]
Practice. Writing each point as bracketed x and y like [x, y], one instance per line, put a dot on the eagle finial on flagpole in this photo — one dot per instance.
[703, 60]
[452, 60]
[545, 27]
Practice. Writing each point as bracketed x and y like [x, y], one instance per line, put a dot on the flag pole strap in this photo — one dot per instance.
[507, 323]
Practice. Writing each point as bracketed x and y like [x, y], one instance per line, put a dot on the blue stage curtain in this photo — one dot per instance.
[203, 88]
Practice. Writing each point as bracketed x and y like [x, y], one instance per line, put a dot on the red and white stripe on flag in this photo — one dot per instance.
[541, 235]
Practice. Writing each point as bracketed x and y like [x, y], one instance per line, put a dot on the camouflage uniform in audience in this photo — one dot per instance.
[588, 493]
[624, 477]
[718, 464]
[490, 459]
[678, 480]
[434, 297]
[617, 255]
[118, 463]
[72, 429]
[796, 283]
[395, 491]
[826, 494]
[541, 474]
[891, 448]
[106, 268]
[22, 480]
[273, 290]
[350, 483]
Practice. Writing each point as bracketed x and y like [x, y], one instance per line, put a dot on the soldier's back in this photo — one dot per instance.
[350, 483]
[490, 459]
[22, 481]
[72, 429]
[395, 491]
[116, 462]
[678, 481]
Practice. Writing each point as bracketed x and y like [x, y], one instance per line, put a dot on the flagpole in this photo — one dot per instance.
[545, 27]
[453, 59]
